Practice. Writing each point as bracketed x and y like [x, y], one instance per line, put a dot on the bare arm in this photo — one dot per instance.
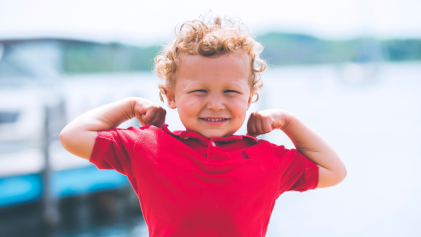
[78, 137]
[331, 169]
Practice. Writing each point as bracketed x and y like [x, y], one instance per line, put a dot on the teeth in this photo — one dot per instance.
[213, 119]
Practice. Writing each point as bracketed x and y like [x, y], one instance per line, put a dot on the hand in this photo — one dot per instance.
[265, 121]
[147, 112]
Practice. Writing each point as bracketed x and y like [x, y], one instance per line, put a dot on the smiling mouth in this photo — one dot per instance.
[214, 119]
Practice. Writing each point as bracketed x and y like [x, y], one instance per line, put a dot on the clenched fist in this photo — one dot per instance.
[265, 121]
[147, 112]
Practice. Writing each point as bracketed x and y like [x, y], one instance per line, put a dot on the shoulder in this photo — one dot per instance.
[277, 150]
[130, 134]
[282, 154]
[264, 148]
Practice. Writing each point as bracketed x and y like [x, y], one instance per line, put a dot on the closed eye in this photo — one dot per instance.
[232, 91]
[199, 91]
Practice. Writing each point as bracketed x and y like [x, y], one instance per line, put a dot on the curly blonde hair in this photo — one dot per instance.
[221, 36]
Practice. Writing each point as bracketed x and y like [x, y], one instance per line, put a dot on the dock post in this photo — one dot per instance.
[54, 119]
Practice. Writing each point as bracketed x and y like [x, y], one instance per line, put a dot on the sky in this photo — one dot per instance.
[154, 21]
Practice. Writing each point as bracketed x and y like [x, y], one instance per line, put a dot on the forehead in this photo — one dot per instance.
[231, 67]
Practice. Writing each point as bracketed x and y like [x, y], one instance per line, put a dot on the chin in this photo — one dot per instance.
[211, 134]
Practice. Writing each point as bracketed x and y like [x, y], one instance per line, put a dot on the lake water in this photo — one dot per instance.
[373, 123]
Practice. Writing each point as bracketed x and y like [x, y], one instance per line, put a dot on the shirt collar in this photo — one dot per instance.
[204, 140]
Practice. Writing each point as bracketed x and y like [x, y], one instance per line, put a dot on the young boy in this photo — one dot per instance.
[205, 181]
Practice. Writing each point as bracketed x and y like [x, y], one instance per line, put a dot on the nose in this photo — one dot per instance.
[216, 103]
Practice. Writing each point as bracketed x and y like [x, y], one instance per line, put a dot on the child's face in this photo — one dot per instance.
[212, 94]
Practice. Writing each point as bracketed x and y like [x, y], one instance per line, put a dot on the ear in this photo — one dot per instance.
[250, 99]
[170, 98]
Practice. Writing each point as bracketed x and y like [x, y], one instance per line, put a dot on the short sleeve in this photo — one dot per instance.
[113, 149]
[297, 172]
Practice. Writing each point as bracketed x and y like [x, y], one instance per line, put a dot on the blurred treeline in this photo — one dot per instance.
[280, 49]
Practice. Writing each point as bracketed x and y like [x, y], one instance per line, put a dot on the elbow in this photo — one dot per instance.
[329, 178]
[65, 138]
[345, 172]
[340, 175]
[339, 172]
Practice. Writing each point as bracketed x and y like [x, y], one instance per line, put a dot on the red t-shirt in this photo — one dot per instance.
[189, 185]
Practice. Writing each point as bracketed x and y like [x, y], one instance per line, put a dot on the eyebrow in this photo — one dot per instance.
[200, 84]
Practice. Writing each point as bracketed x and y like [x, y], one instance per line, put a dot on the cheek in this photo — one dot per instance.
[188, 106]
[239, 107]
